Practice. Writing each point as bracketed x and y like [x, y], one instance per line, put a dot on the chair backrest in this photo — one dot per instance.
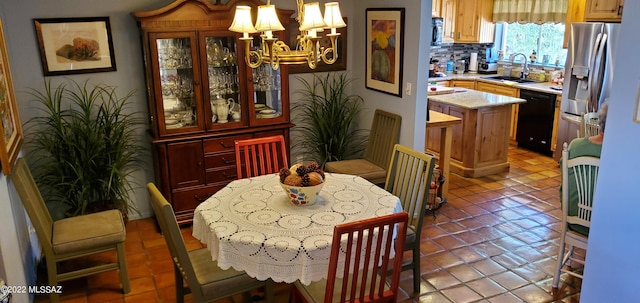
[580, 173]
[385, 132]
[260, 156]
[590, 124]
[409, 178]
[34, 204]
[352, 244]
[171, 231]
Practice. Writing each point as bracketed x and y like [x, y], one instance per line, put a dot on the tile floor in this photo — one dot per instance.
[494, 241]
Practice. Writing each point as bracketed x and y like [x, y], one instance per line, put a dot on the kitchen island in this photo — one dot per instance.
[480, 143]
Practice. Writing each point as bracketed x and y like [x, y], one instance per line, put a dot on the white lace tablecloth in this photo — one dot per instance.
[250, 225]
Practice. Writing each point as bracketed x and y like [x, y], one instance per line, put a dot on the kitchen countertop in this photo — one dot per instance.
[544, 87]
[473, 99]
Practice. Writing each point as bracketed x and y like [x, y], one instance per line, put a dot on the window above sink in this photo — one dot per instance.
[545, 39]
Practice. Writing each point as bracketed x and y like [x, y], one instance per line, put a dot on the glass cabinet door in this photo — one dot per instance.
[177, 92]
[224, 99]
[266, 86]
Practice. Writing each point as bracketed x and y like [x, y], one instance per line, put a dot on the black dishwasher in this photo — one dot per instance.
[535, 121]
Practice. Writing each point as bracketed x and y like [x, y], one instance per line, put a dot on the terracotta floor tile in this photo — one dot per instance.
[449, 242]
[465, 273]
[509, 280]
[467, 254]
[434, 297]
[461, 294]
[445, 259]
[486, 287]
[505, 298]
[146, 297]
[441, 279]
[532, 294]
[488, 267]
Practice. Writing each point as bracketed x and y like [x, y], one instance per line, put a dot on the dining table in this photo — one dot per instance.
[251, 225]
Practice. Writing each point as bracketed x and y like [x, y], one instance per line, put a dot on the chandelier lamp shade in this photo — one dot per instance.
[276, 52]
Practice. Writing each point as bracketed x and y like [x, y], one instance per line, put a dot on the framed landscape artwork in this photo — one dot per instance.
[385, 38]
[75, 45]
[10, 126]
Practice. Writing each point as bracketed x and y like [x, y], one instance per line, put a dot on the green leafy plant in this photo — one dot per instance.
[84, 148]
[325, 117]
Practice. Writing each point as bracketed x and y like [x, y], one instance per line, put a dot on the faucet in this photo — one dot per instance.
[525, 69]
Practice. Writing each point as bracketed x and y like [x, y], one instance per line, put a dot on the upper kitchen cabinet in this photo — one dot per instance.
[604, 10]
[468, 21]
[575, 13]
[436, 8]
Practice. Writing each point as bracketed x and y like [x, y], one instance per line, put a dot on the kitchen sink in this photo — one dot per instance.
[507, 78]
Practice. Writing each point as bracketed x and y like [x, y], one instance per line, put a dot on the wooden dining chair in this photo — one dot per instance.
[590, 126]
[74, 237]
[356, 261]
[581, 174]
[385, 132]
[260, 156]
[409, 179]
[206, 281]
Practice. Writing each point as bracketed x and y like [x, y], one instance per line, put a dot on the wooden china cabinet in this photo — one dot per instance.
[202, 97]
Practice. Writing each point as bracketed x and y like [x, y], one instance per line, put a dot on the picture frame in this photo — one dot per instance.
[75, 45]
[384, 51]
[341, 46]
[11, 138]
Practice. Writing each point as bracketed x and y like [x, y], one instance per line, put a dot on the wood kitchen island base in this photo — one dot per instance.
[480, 143]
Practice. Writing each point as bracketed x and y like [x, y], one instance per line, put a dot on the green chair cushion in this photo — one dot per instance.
[71, 235]
[358, 167]
[207, 270]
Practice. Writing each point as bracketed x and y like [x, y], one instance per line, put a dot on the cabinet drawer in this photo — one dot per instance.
[222, 144]
[219, 160]
[187, 200]
[497, 89]
[224, 174]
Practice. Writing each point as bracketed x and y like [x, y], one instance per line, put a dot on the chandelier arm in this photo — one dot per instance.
[332, 50]
[251, 53]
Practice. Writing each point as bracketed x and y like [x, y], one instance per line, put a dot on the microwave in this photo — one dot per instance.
[436, 31]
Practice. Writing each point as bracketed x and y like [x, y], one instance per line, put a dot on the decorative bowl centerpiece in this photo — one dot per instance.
[302, 183]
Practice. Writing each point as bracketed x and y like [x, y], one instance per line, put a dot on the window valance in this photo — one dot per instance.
[530, 11]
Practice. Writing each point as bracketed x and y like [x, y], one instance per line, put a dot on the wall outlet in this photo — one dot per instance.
[407, 89]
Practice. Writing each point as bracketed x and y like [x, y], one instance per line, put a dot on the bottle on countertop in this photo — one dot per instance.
[450, 64]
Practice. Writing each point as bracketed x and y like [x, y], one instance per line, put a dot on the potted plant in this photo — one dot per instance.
[325, 116]
[84, 148]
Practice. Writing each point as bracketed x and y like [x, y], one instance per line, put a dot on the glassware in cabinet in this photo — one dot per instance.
[178, 85]
[269, 103]
[223, 86]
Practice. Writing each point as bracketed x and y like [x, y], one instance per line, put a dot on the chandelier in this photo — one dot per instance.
[276, 52]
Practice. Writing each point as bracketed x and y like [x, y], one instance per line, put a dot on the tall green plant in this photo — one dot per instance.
[325, 116]
[84, 147]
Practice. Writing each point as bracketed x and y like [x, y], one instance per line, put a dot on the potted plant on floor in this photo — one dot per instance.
[84, 148]
[325, 116]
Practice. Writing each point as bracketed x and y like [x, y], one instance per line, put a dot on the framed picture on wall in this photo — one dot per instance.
[75, 45]
[385, 40]
[10, 126]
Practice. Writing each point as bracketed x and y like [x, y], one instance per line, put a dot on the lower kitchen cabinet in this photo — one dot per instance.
[190, 170]
[470, 84]
[480, 143]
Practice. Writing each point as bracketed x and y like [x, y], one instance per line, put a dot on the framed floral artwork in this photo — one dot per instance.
[10, 127]
[75, 45]
[384, 59]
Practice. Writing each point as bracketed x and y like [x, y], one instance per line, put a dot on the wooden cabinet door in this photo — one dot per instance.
[186, 164]
[470, 84]
[556, 122]
[604, 10]
[436, 6]
[467, 20]
[447, 10]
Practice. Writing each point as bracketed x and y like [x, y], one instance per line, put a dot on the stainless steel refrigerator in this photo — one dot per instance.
[588, 76]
